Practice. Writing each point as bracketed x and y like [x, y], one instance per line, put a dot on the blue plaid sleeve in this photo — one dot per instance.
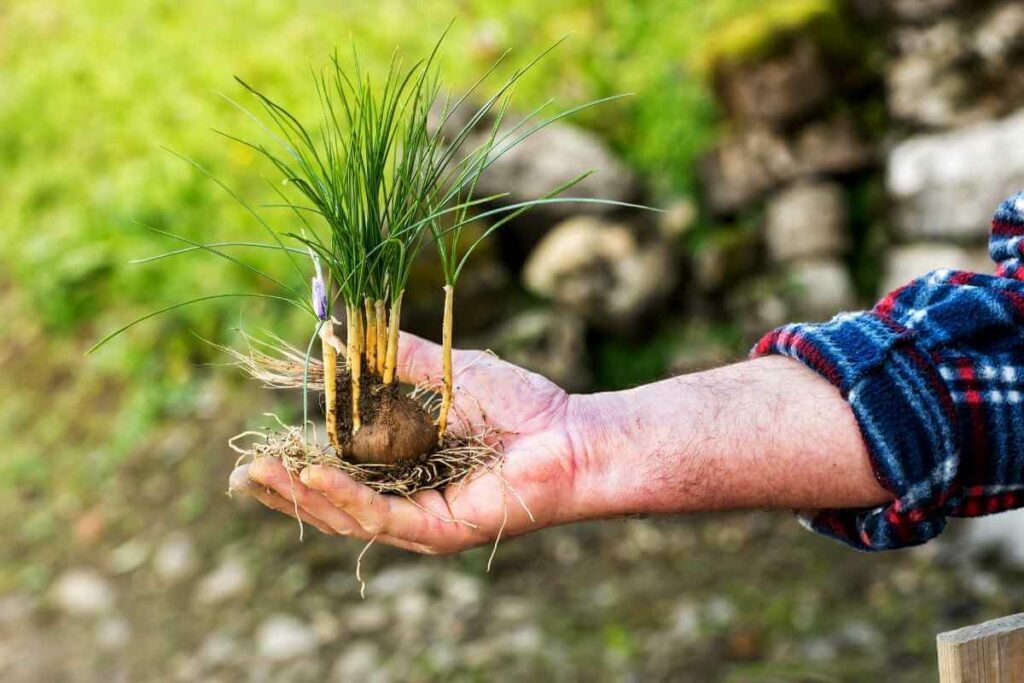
[934, 376]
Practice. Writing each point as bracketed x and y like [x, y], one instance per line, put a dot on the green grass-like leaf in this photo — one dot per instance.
[381, 173]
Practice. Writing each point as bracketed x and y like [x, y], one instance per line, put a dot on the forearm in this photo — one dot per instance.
[764, 433]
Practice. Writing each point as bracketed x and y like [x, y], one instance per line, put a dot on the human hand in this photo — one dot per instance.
[537, 487]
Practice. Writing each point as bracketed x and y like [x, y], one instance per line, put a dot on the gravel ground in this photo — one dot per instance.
[156, 575]
[236, 595]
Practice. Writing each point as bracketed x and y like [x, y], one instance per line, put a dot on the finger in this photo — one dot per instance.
[290, 491]
[279, 504]
[270, 473]
[241, 482]
[419, 360]
[419, 523]
[368, 508]
[419, 363]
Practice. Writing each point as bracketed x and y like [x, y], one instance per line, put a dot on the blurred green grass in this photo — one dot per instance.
[89, 92]
[93, 89]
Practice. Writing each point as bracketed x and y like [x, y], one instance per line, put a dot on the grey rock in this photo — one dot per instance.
[911, 261]
[771, 311]
[940, 42]
[958, 70]
[806, 219]
[525, 640]
[999, 36]
[113, 633]
[282, 637]
[16, 608]
[462, 592]
[822, 287]
[218, 649]
[606, 594]
[748, 164]
[775, 91]
[213, 393]
[1002, 532]
[924, 82]
[920, 10]
[176, 444]
[228, 581]
[550, 342]
[412, 609]
[743, 167]
[361, 661]
[719, 611]
[686, 622]
[128, 556]
[510, 610]
[861, 634]
[947, 185]
[547, 159]
[83, 592]
[326, 625]
[601, 270]
[677, 217]
[445, 657]
[185, 668]
[175, 558]
[302, 669]
[820, 649]
[554, 156]
[832, 146]
[295, 578]
[983, 584]
[566, 549]
[402, 579]
[366, 618]
[922, 92]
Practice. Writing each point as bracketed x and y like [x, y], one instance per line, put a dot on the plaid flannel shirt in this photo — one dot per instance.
[935, 376]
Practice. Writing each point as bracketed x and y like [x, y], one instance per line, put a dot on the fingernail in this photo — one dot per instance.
[239, 481]
[306, 477]
[258, 470]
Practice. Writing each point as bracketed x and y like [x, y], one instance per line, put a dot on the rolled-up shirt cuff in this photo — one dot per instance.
[906, 417]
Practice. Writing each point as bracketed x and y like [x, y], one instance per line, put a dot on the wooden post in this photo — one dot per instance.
[992, 652]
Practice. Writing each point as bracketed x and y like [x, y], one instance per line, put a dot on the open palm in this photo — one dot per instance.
[529, 413]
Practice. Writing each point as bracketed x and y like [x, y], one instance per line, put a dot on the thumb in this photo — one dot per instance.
[419, 360]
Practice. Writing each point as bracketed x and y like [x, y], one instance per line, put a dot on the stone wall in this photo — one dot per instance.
[949, 77]
[955, 92]
[852, 160]
[794, 148]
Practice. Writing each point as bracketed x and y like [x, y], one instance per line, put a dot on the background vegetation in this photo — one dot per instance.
[129, 443]
[96, 88]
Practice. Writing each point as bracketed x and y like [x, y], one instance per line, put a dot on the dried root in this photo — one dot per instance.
[276, 364]
[453, 461]
[457, 460]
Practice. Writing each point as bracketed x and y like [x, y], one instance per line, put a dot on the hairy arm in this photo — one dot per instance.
[934, 373]
[763, 433]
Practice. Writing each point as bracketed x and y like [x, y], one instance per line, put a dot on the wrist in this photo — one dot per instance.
[630, 453]
[587, 434]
